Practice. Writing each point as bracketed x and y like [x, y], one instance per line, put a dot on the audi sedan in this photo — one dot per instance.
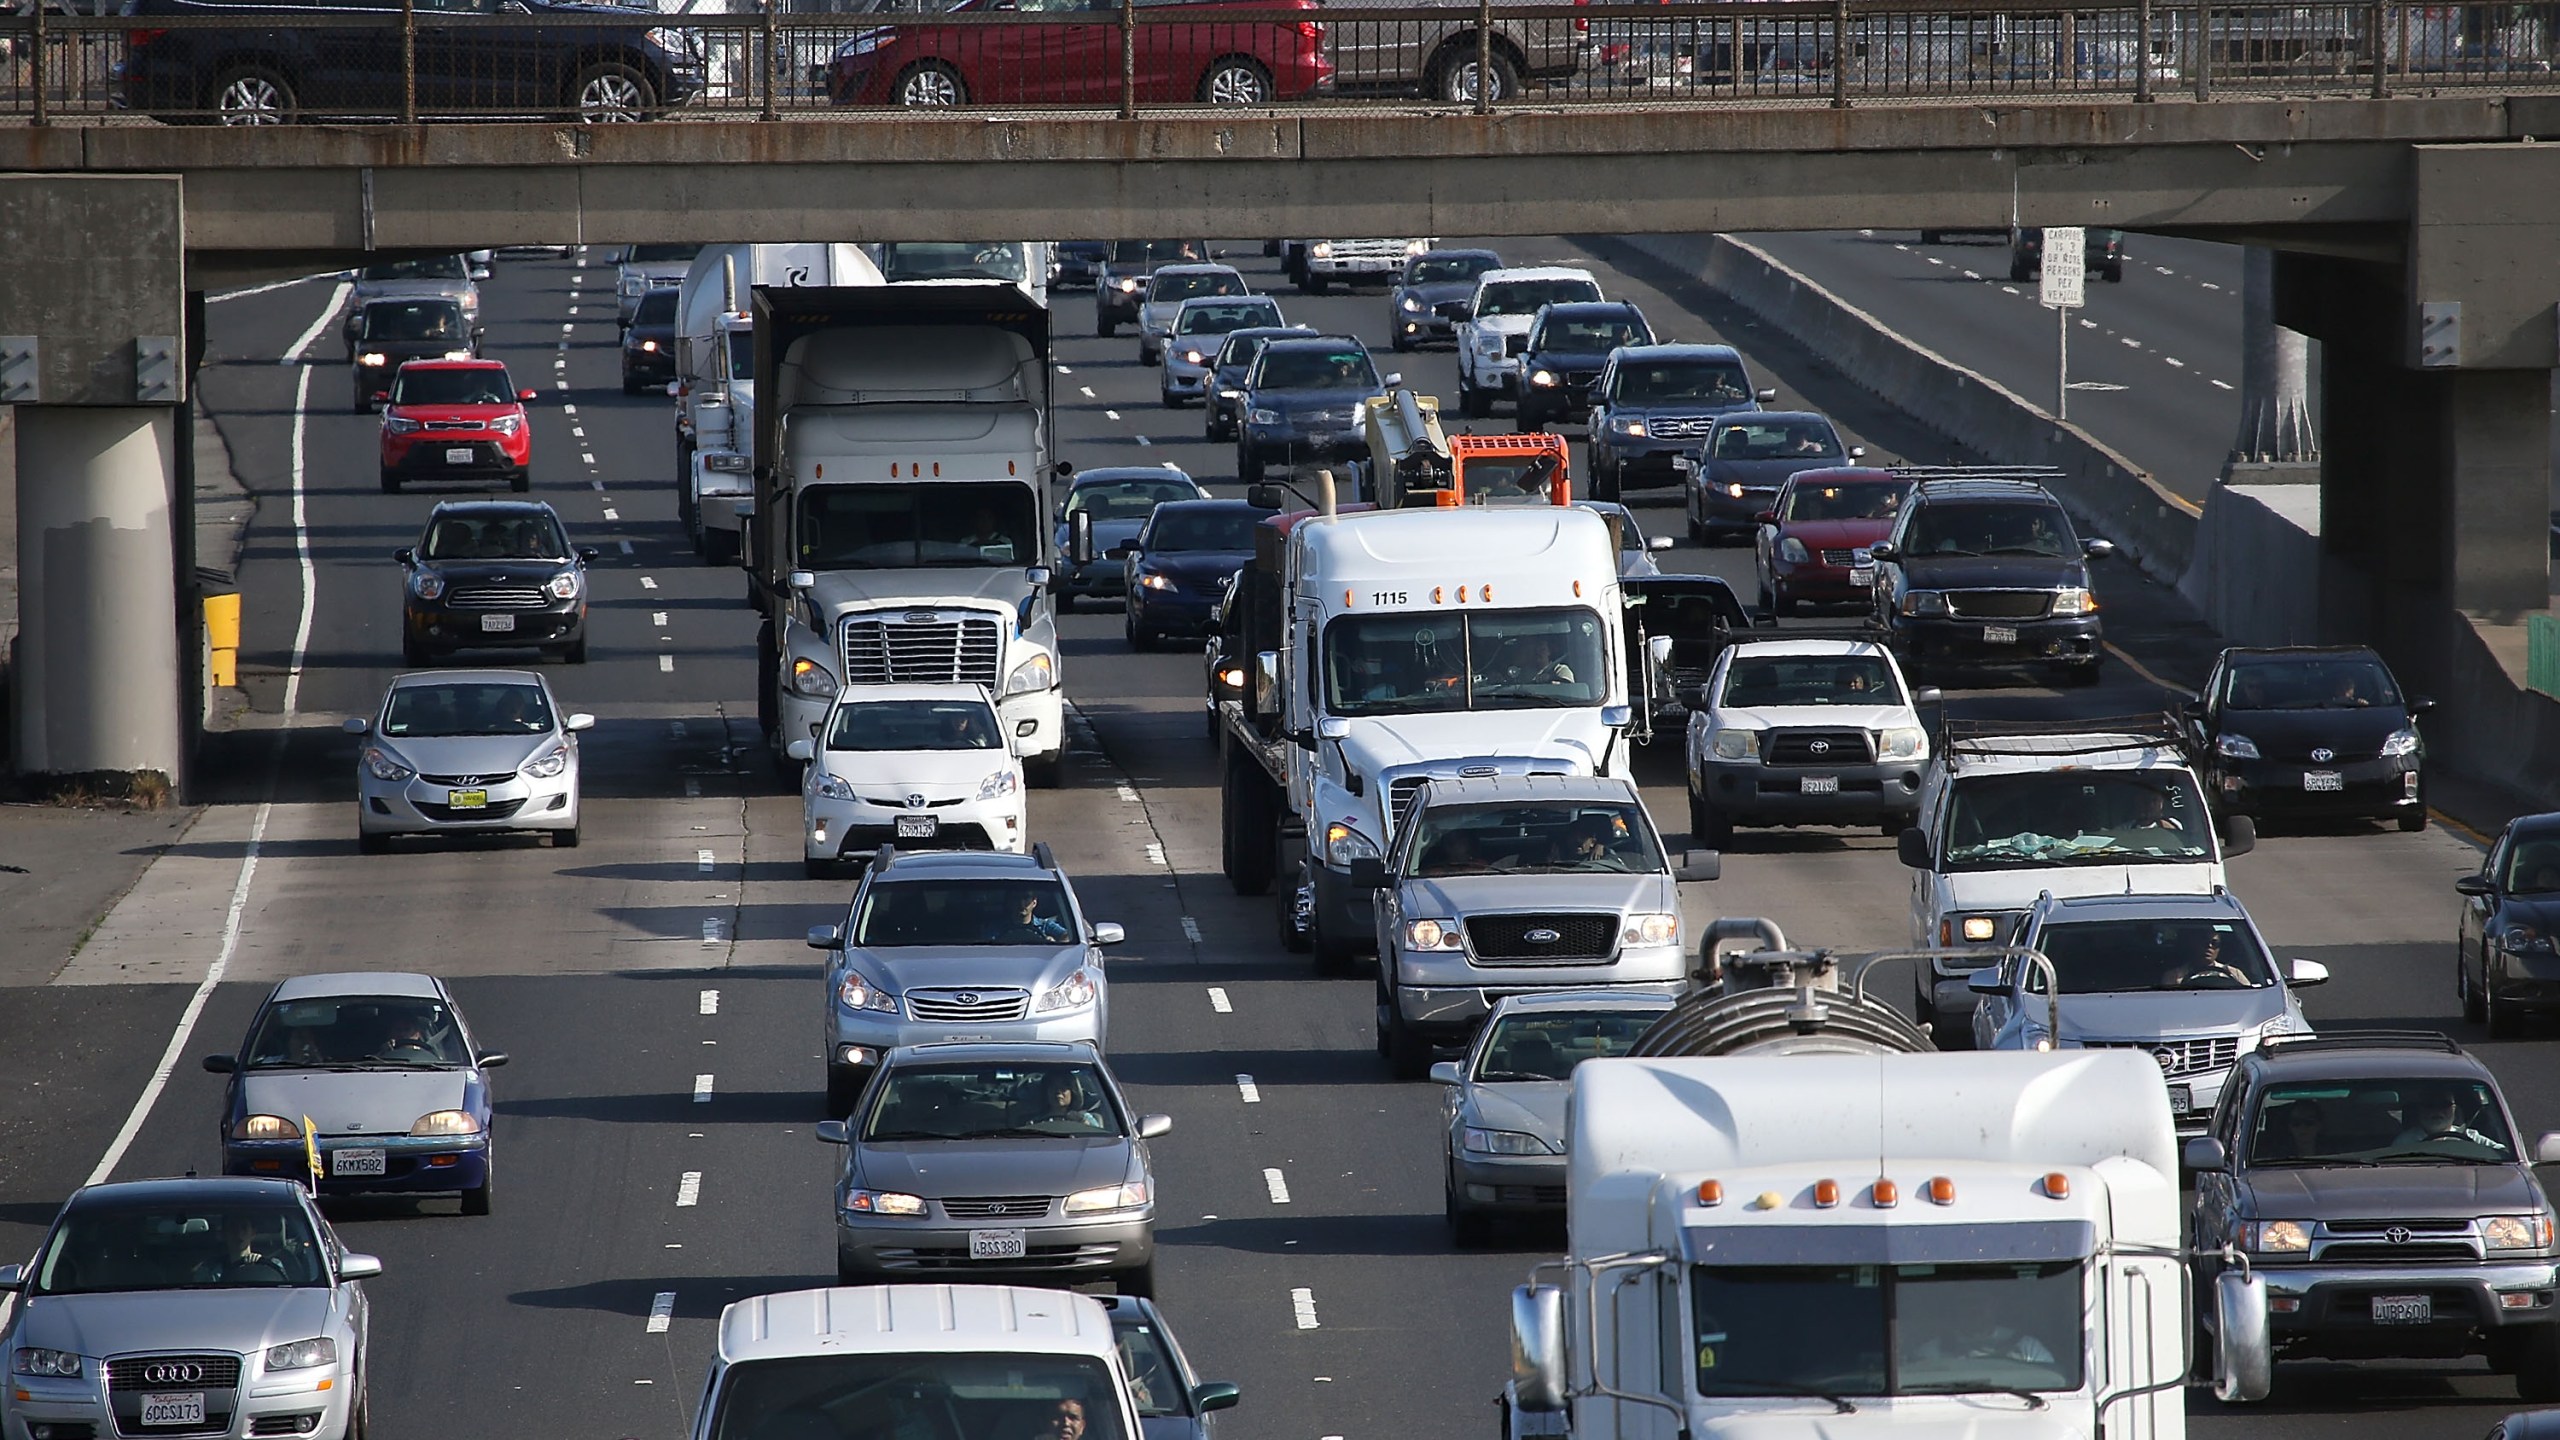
[462, 750]
[193, 1307]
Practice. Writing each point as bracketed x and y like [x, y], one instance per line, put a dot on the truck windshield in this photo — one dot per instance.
[2076, 817]
[1754, 682]
[1527, 297]
[954, 524]
[1551, 837]
[1683, 382]
[1411, 663]
[742, 355]
[2396, 1120]
[937, 260]
[941, 1394]
[2107, 957]
[1887, 1329]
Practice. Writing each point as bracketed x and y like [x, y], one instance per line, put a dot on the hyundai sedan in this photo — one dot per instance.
[467, 750]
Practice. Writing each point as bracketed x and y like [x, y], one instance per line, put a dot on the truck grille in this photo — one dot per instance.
[968, 1006]
[1577, 939]
[1817, 747]
[921, 648]
[1681, 427]
[2181, 1057]
[997, 1207]
[1400, 799]
[219, 1372]
[494, 597]
[1999, 604]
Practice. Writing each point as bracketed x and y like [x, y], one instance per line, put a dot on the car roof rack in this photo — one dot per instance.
[2102, 734]
[1863, 634]
[2433, 1040]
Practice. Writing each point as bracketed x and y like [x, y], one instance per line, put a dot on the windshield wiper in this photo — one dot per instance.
[1780, 1387]
[1487, 1075]
[892, 1135]
[2034, 1400]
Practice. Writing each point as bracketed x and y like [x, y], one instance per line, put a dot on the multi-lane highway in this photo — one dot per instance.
[664, 1018]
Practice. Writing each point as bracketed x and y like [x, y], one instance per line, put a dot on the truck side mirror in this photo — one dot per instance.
[1080, 537]
[1369, 874]
[1537, 1349]
[1699, 866]
[1911, 847]
[2203, 1153]
[2244, 1361]
[1266, 683]
[1263, 497]
[2240, 837]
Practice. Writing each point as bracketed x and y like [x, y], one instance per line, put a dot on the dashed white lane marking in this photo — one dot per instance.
[710, 1002]
[580, 431]
[1278, 1185]
[568, 409]
[565, 328]
[1898, 245]
[1128, 796]
[1063, 370]
[1111, 414]
[2163, 269]
[659, 617]
[2174, 360]
[586, 457]
[1219, 1002]
[645, 582]
[560, 384]
[701, 1089]
[714, 929]
[574, 309]
[704, 860]
[2129, 342]
[1155, 852]
[2088, 324]
[1191, 932]
[1088, 391]
[2221, 385]
[612, 514]
[1251, 1092]
[2209, 285]
[662, 1311]
[666, 664]
[1969, 275]
[689, 1190]
[626, 549]
[1143, 440]
[1303, 1301]
[1934, 260]
[2009, 290]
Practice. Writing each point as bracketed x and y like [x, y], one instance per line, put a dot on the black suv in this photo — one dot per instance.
[391, 332]
[2377, 1183]
[601, 62]
[1988, 571]
[493, 574]
[2305, 730]
[1567, 346]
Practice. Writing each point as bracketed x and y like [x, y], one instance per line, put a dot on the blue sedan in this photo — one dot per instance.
[1181, 563]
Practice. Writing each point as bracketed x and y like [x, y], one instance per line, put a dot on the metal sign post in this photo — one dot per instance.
[2063, 286]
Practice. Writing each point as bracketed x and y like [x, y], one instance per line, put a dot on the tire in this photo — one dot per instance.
[1046, 773]
[252, 95]
[1139, 640]
[1453, 78]
[1104, 326]
[1604, 484]
[1251, 830]
[1063, 601]
[360, 1418]
[1147, 355]
[1400, 344]
[2413, 821]
[2503, 1021]
[362, 406]
[575, 652]
[1248, 468]
[1698, 534]
[1930, 237]
[1782, 606]
[1408, 1053]
[1333, 957]
[369, 843]
[1169, 400]
[2114, 274]
[565, 839]
[1140, 1282]
[630, 386]
[843, 1088]
[1314, 284]
[521, 481]
[1528, 421]
[611, 93]
[2020, 271]
[933, 86]
[2081, 676]
[1468, 1230]
[1236, 80]
[1474, 404]
[719, 547]
[475, 1201]
[2474, 1009]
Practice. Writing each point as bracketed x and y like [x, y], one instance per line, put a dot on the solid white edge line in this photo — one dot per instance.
[270, 287]
[337, 297]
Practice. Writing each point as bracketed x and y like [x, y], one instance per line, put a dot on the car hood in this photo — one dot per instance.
[1290, 402]
[2163, 1014]
[887, 773]
[1532, 1107]
[1767, 474]
[1504, 324]
[1000, 588]
[1686, 410]
[1197, 565]
[1107, 533]
[495, 755]
[962, 967]
[470, 572]
[370, 1102]
[2350, 732]
[1464, 895]
[1828, 717]
[2017, 889]
[994, 1167]
[2397, 1191]
[1439, 292]
[1513, 741]
[245, 1320]
[1837, 534]
[481, 414]
[1992, 572]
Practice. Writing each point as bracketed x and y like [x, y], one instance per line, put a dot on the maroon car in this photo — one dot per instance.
[1185, 53]
[1812, 541]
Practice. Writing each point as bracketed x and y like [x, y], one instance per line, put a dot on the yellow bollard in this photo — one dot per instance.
[222, 639]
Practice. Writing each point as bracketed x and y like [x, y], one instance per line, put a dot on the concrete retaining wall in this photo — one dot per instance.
[2255, 575]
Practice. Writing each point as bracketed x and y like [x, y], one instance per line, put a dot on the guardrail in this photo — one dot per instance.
[266, 62]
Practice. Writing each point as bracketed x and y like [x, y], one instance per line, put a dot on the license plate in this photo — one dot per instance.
[1862, 574]
[1818, 785]
[497, 624]
[185, 1409]
[2181, 1099]
[1999, 634]
[458, 455]
[2403, 1309]
[356, 1162]
[2328, 780]
[467, 800]
[918, 827]
[999, 1245]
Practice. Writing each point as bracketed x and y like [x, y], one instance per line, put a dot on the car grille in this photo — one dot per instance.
[2402, 1241]
[997, 1207]
[494, 810]
[494, 597]
[2301, 754]
[899, 802]
[221, 1372]
[455, 425]
[1368, 250]
[1579, 939]
[1817, 747]
[1680, 427]
[921, 648]
[1528, 1195]
[967, 1006]
[1999, 604]
[2181, 1057]
[469, 781]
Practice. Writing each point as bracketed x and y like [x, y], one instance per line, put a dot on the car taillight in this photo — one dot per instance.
[1310, 30]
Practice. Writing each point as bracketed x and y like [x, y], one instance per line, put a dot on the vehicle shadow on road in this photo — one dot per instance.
[1330, 1235]
[728, 1107]
[698, 1297]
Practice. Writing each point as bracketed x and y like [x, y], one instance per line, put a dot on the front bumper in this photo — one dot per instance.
[1291, 444]
[1119, 306]
[1180, 611]
[469, 456]
[1419, 326]
[1569, 399]
[1340, 267]
[1867, 794]
[433, 627]
[644, 366]
[1454, 1011]
[875, 1032]
[1183, 379]
[2068, 641]
[850, 829]
[418, 806]
[1500, 374]
[411, 1165]
[2528, 981]
[2328, 1309]
[1035, 720]
[1821, 583]
[1643, 462]
[1523, 1186]
[310, 1404]
[2382, 787]
[940, 1248]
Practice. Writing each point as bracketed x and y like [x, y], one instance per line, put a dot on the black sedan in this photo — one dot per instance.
[1735, 478]
[1428, 281]
[389, 333]
[494, 574]
[2506, 961]
[2312, 731]
[1179, 567]
[649, 344]
[1567, 346]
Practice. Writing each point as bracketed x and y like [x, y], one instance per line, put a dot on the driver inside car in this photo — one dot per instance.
[2205, 967]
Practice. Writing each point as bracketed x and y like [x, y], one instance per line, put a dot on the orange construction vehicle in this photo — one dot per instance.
[1529, 469]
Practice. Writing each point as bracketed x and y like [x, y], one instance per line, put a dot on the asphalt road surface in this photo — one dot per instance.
[664, 1017]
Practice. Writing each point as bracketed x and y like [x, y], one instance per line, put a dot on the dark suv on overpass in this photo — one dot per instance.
[269, 67]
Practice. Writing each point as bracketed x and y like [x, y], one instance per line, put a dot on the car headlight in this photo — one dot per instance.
[1130, 1196]
[1416, 247]
[426, 585]
[1157, 582]
[2235, 747]
[383, 765]
[674, 42]
[1479, 1141]
[549, 763]
[446, 1122]
[302, 1354]
[882, 1202]
[1979, 929]
[1073, 993]
[1902, 742]
[2516, 1232]
[1321, 250]
[54, 1364]
[2278, 1237]
[1129, 285]
[373, 357]
[1410, 302]
[2403, 741]
[1732, 743]
[856, 993]
[457, 354]
[564, 586]
[1193, 357]
[1793, 552]
[1734, 489]
[265, 1127]
[1654, 929]
[810, 680]
[1924, 602]
[401, 425]
[1230, 394]
[2524, 940]
[829, 787]
[1260, 416]
[1036, 673]
[1342, 845]
[1433, 935]
[2072, 600]
[507, 424]
[1628, 425]
[1542, 377]
[998, 785]
[648, 347]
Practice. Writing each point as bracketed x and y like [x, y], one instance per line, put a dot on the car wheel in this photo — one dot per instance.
[1604, 484]
[565, 839]
[360, 1417]
[1248, 468]
[1400, 343]
[1248, 843]
[1455, 80]
[390, 483]
[2114, 274]
[371, 843]
[1709, 827]
[1314, 284]
[1782, 606]
[1236, 81]
[1698, 534]
[2020, 271]
[1169, 400]
[817, 869]
[521, 481]
[1408, 1052]
[1528, 421]
[934, 86]
[475, 1201]
[609, 93]
[1140, 1282]
[2472, 1008]
[2503, 1021]
[251, 95]
[1473, 403]
[1045, 772]
[1332, 957]
[1138, 639]
[1929, 237]
[575, 652]
[1468, 1230]
[2412, 821]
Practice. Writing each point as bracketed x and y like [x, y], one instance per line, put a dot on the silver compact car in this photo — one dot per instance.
[1191, 349]
[995, 1161]
[198, 1307]
[1506, 1101]
[958, 946]
[455, 750]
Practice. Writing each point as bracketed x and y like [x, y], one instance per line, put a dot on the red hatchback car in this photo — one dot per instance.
[1185, 53]
[1812, 545]
[456, 420]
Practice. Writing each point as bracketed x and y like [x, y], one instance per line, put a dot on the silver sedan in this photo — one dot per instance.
[467, 750]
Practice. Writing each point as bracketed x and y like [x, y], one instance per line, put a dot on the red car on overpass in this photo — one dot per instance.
[1185, 53]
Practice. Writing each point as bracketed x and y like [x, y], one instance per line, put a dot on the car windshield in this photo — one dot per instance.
[1887, 1329]
[991, 1101]
[1862, 500]
[531, 536]
[941, 260]
[1443, 269]
[1546, 1044]
[1212, 530]
[359, 1032]
[1285, 368]
[1511, 479]
[1758, 439]
[1127, 499]
[1157, 252]
[434, 267]
[1544, 837]
[175, 1245]
[477, 385]
[1238, 350]
[2397, 1120]
[1683, 382]
[1753, 682]
[2533, 864]
[1184, 284]
[1219, 319]
[885, 725]
[1590, 337]
[2076, 817]
[415, 320]
[1155, 1382]
[466, 707]
[918, 1395]
[2113, 957]
[658, 307]
[660, 254]
[972, 911]
[890, 526]
[1398, 664]
[1990, 529]
[1527, 297]
[742, 355]
[2326, 682]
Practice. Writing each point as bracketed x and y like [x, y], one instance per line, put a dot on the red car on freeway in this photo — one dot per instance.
[456, 420]
[1185, 53]
[1811, 547]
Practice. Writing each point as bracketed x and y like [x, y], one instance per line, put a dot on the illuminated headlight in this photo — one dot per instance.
[382, 765]
[2516, 1232]
[549, 763]
[1232, 677]
[1036, 673]
[1480, 1141]
[1342, 845]
[1979, 929]
[1924, 602]
[1628, 425]
[1156, 582]
[507, 424]
[998, 785]
[446, 1122]
[1076, 992]
[1651, 930]
[426, 585]
[1411, 302]
[810, 680]
[1415, 247]
[1542, 377]
[2279, 1237]
[1433, 935]
[1793, 552]
[53, 1364]
[401, 425]
[1230, 394]
[2403, 741]
[1110, 1197]
[856, 993]
[1194, 357]
[2072, 600]
[373, 357]
[1321, 250]
[1902, 742]
[266, 1127]
[1731, 743]
[1129, 285]
[457, 354]
[829, 787]
[2235, 747]
[1261, 416]
[563, 586]
[882, 1202]
[2040, 1041]
[649, 347]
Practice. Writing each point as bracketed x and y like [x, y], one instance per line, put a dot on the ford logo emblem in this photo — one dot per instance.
[173, 1372]
[1819, 747]
[2324, 754]
[1542, 936]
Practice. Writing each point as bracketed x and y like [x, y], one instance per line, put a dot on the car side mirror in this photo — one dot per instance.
[1699, 866]
[2546, 1150]
[1928, 695]
[1121, 551]
[1765, 517]
[2477, 886]
[2098, 549]
[2192, 707]
[587, 554]
[2421, 704]
[1107, 933]
[405, 555]
[2299, 973]
[1911, 847]
[13, 1278]
[1446, 1072]
[1080, 537]
[528, 395]
[356, 725]
[359, 1267]
[1764, 396]
[800, 750]
[1986, 981]
[1881, 551]
[1857, 452]
[1394, 380]
[580, 721]
[2203, 1153]
[824, 937]
[832, 1132]
[221, 1064]
[1152, 1126]
[1369, 874]
[1657, 542]
[2240, 837]
[1211, 1395]
[494, 1059]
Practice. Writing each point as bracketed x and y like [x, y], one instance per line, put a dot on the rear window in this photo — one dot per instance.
[1219, 319]
[1157, 252]
[1183, 285]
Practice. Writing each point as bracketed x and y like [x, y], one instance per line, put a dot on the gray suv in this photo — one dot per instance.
[2378, 1185]
[1514, 885]
[1438, 56]
[958, 946]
